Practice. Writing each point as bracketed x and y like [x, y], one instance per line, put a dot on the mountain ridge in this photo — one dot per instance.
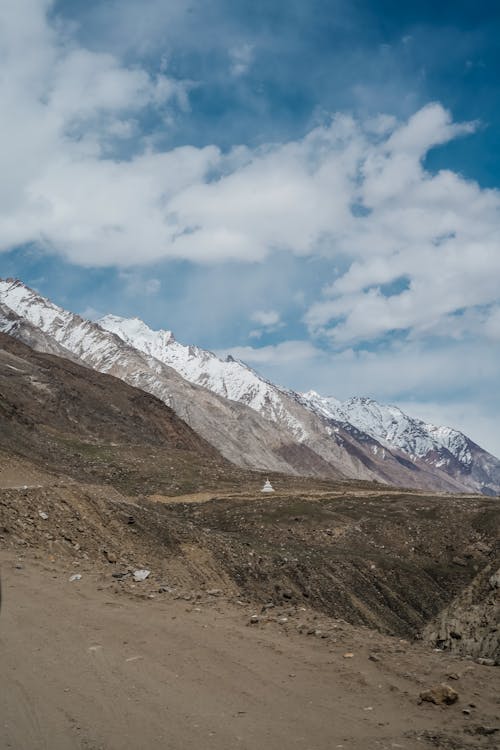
[236, 430]
[292, 432]
[437, 446]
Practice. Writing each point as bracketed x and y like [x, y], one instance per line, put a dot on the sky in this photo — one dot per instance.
[311, 185]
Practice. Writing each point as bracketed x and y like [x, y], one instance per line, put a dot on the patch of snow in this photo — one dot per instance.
[393, 428]
[229, 378]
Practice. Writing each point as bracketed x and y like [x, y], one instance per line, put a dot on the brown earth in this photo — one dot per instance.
[175, 661]
[241, 634]
[388, 560]
[84, 668]
[70, 420]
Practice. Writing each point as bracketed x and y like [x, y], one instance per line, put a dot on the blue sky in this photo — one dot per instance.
[313, 186]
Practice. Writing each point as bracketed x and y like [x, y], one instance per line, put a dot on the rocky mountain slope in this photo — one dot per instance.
[70, 420]
[439, 447]
[341, 446]
[229, 378]
[250, 420]
[237, 431]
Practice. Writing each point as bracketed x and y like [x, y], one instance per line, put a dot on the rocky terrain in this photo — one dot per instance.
[72, 421]
[152, 596]
[469, 625]
[389, 561]
[254, 612]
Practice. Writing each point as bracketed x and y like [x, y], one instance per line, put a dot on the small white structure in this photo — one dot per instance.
[267, 486]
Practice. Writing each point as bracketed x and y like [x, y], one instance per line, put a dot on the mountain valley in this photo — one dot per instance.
[152, 594]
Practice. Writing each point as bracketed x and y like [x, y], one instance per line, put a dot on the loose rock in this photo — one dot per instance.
[486, 662]
[440, 695]
[141, 575]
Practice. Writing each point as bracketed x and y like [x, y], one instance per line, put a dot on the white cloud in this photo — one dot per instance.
[350, 188]
[266, 318]
[269, 321]
[136, 285]
[274, 355]
[241, 58]
[399, 370]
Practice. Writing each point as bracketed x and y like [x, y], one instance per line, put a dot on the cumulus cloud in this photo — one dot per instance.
[357, 189]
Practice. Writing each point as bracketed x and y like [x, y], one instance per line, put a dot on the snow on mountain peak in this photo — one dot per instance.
[95, 343]
[135, 332]
[393, 428]
[228, 378]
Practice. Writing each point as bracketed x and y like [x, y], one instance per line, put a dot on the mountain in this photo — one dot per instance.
[240, 434]
[440, 447]
[72, 421]
[229, 378]
[251, 421]
[332, 438]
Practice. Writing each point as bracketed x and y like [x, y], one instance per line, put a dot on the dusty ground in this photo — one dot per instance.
[289, 621]
[175, 662]
[388, 560]
[89, 669]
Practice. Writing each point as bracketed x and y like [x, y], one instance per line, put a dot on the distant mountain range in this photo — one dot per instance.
[251, 421]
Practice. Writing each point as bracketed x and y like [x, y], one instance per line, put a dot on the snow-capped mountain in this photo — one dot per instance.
[237, 431]
[229, 378]
[441, 447]
[250, 420]
[233, 380]
[393, 427]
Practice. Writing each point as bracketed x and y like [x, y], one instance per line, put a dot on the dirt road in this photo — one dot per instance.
[85, 668]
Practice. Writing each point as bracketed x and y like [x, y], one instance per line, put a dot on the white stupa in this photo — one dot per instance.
[267, 486]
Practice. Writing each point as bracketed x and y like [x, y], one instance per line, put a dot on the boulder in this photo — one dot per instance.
[440, 695]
